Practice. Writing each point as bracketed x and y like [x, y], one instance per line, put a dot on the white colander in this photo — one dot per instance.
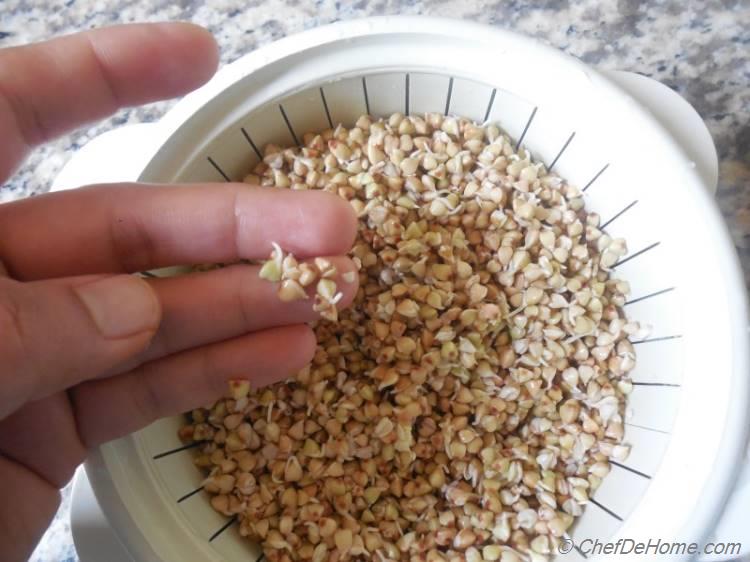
[648, 177]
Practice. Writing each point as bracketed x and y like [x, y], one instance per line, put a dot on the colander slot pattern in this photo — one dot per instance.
[642, 458]
[596, 177]
[216, 534]
[189, 494]
[406, 94]
[618, 215]
[289, 125]
[448, 96]
[218, 169]
[657, 339]
[390, 90]
[386, 93]
[605, 509]
[232, 520]
[407, 101]
[629, 469]
[178, 449]
[526, 128]
[609, 499]
[408, 86]
[653, 407]
[674, 385]
[364, 91]
[669, 330]
[636, 254]
[489, 105]
[646, 428]
[325, 106]
[591, 525]
[249, 139]
[649, 296]
[567, 142]
[429, 91]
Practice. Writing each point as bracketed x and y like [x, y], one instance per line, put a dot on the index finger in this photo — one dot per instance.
[127, 228]
[50, 87]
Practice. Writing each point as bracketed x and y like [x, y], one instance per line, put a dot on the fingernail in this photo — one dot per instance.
[120, 306]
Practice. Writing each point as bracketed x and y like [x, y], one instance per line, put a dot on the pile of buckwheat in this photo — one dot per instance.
[467, 404]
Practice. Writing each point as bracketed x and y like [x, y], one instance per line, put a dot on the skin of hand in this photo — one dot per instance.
[90, 352]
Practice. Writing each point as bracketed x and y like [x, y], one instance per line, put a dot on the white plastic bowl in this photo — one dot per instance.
[689, 414]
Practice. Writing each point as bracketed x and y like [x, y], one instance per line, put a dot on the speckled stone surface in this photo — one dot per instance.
[701, 48]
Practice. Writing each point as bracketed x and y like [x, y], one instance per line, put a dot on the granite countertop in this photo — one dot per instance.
[698, 47]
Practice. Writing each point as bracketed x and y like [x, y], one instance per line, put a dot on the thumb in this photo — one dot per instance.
[60, 332]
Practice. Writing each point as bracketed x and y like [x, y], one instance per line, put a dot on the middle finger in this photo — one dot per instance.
[212, 306]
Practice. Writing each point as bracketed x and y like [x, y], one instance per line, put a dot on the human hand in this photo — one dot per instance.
[88, 352]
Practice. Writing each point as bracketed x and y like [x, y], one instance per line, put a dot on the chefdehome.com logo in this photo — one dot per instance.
[651, 547]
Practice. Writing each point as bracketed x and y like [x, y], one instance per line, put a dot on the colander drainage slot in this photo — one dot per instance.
[218, 169]
[189, 494]
[660, 338]
[490, 104]
[252, 144]
[325, 106]
[618, 215]
[178, 449]
[606, 509]
[367, 98]
[596, 177]
[406, 93]
[556, 158]
[223, 528]
[647, 428]
[288, 124]
[526, 128]
[448, 97]
[649, 296]
[635, 255]
[634, 471]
